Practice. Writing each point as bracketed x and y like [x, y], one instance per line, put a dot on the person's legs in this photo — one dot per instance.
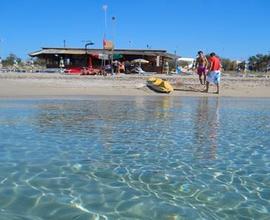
[217, 81]
[200, 78]
[208, 80]
[204, 78]
[217, 88]
[200, 75]
[207, 86]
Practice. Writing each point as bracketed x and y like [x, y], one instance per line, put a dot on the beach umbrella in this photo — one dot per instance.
[140, 61]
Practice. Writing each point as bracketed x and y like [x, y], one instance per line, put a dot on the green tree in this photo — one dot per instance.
[242, 65]
[259, 62]
[39, 62]
[11, 59]
[228, 65]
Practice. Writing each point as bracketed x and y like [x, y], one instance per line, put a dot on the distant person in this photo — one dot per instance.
[32, 65]
[127, 66]
[178, 69]
[201, 65]
[61, 65]
[214, 73]
[166, 67]
[122, 67]
[116, 65]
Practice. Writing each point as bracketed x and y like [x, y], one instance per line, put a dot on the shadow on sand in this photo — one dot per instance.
[191, 89]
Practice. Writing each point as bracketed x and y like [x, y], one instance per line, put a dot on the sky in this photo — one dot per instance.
[235, 29]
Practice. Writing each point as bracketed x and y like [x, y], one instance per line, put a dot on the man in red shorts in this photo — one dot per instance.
[201, 65]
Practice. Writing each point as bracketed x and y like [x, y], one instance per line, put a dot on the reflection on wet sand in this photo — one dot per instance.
[206, 127]
[76, 113]
[110, 118]
[118, 120]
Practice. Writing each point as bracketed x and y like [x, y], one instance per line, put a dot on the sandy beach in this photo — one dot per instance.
[45, 85]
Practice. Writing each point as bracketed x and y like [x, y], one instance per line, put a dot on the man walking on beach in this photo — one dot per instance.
[213, 76]
[201, 65]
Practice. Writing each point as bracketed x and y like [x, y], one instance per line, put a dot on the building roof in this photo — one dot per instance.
[81, 51]
[186, 59]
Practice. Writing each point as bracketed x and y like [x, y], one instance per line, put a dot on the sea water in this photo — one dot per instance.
[135, 158]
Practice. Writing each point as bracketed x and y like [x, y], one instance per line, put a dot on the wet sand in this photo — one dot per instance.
[45, 85]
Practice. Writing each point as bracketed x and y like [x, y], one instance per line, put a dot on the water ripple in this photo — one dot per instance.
[135, 158]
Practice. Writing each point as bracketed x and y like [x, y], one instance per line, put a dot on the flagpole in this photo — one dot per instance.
[113, 37]
[104, 7]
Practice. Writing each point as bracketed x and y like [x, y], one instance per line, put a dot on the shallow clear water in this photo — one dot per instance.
[135, 158]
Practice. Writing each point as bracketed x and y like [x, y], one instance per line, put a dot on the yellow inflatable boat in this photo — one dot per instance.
[159, 85]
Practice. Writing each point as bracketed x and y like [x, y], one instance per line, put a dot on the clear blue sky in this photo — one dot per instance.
[233, 29]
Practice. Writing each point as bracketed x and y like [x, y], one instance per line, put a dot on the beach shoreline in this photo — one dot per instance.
[48, 85]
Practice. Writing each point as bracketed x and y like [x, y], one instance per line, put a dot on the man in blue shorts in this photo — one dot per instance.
[213, 76]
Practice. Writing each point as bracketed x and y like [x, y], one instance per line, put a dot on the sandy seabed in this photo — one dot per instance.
[46, 85]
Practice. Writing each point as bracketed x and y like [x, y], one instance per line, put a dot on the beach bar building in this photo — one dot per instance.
[79, 57]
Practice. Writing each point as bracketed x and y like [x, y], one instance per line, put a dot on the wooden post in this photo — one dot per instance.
[162, 64]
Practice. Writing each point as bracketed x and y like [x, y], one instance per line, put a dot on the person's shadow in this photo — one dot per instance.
[189, 89]
[192, 89]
